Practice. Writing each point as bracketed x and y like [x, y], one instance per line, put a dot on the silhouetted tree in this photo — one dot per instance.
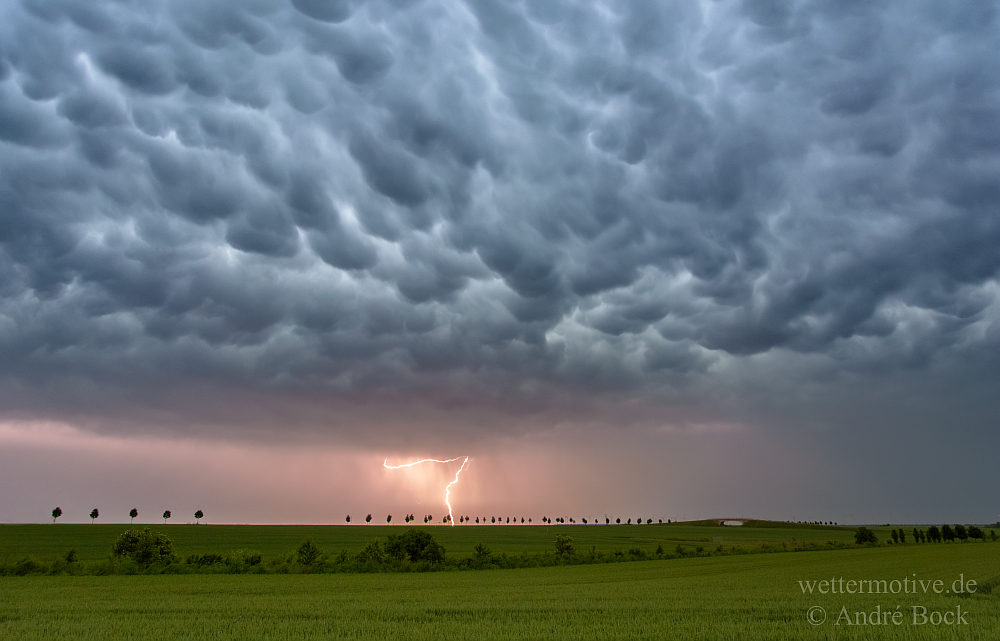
[630, 522]
[648, 521]
[477, 520]
[961, 533]
[934, 534]
[584, 521]
[895, 536]
[198, 516]
[975, 532]
[132, 514]
[618, 521]
[916, 535]
[348, 518]
[93, 515]
[56, 513]
[166, 515]
[493, 519]
[368, 519]
[947, 533]
[607, 521]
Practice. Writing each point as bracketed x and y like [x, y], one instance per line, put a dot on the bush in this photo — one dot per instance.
[202, 560]
[244, 558]
[865, 536]
[414, 545]
[144, 547]
[308, 553]
[564, 545]
[372, 554]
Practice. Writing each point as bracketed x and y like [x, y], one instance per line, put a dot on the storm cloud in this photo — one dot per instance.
[285, 214]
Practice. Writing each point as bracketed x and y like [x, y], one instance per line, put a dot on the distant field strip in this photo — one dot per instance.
[93, 542]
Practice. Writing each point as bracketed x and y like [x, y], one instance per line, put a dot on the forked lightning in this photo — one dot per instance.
[447, 490]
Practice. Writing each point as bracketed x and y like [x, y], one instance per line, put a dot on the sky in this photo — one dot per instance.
[682, 259]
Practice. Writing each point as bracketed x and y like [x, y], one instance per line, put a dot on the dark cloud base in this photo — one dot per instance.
[533, 209]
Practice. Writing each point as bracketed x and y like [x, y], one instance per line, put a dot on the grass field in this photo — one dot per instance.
[755, 596]
[732, 597]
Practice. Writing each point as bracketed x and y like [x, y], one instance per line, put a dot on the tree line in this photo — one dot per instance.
[500, 520]
[134, 512]
[933, 534]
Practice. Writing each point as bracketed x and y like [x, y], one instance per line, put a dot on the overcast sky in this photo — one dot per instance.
[669, 259]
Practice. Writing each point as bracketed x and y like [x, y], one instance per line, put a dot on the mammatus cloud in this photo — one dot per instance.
[278, 213]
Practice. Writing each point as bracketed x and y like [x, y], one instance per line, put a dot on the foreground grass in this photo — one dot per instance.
[727, 597]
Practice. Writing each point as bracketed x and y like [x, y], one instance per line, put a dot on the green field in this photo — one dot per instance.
[748, 596]
[93, 542]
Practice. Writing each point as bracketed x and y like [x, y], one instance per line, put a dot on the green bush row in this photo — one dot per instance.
[146, 552]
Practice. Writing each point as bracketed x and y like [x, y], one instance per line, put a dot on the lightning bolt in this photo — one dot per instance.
[447, 489]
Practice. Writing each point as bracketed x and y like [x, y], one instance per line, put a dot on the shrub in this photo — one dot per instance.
[144, 546]
[244, 558]
[308, 553]
[373, 553]
[414, 545]
[865, 536]
[564, 545]
[202, 560]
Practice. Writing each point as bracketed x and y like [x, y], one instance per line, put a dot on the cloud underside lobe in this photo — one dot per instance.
[489, 201]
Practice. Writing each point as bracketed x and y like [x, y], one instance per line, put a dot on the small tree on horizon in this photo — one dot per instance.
[388, 519]
[132, 514]
[348, 519]
[166, 515]
[961, 533]
[56, 513]
[947, 533]
[93, 515]
[368, 519]
[198, 516]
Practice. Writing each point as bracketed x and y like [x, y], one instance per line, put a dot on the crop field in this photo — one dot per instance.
[93, 542]
[743, 596]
